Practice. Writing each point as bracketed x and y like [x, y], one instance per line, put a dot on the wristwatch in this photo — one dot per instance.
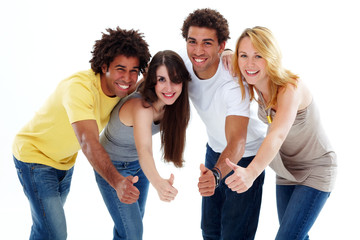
[217, 174]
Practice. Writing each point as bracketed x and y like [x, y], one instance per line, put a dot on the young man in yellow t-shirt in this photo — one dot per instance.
[71, 119]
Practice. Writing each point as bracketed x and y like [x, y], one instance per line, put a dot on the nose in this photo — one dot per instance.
[250, 62]
[168, 86]
[198, 49]
[126, 77]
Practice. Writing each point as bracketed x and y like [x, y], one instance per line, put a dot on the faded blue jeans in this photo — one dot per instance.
[227, 215]
[127, 217]
[47, 189]
[298, 207]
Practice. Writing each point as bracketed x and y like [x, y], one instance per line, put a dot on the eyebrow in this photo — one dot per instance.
[204, 40]
[122, 66]
[247, 53]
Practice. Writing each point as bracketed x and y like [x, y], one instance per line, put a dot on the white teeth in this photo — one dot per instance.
[169, 95]
[251, 72]
[123, 86]
[199, 60]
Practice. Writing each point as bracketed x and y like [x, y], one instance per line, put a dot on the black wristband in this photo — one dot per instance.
[217, 175]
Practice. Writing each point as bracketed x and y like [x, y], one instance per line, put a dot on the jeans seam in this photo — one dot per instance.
[257, 186]
[38, 199]
[307, 214]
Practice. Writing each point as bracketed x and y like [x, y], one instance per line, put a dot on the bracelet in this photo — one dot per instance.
[217, 175]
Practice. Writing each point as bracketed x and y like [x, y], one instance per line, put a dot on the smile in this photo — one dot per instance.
[125, 87]
[168, 95]
[251, 72]
[199, 60]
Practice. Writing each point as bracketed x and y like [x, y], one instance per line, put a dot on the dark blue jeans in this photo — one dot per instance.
[47, 189]
[228, 215]
[298, 207]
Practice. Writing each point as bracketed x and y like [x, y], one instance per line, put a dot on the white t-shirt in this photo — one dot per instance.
[218, 97]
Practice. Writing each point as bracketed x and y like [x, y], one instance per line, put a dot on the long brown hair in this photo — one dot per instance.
[265, 43]
[176, 116]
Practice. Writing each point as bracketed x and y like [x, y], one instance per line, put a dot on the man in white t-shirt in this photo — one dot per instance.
[233, 129]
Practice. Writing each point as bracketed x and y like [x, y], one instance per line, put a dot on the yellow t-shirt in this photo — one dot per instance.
[49, 138]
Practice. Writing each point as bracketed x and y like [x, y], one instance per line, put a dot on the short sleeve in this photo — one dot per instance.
[235, 104]
[78, 101]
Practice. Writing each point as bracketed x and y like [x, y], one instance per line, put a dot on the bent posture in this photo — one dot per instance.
[233, 129]
[296, 146]
[161, 104]
[45, 149]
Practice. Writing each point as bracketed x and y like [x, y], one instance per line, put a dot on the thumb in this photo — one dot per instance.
[203, 169]
[135, 179]
[232, 165]
[171, 179]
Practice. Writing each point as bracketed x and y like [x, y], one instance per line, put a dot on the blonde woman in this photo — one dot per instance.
[296, 145]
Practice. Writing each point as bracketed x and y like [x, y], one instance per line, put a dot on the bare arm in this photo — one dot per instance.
[143, 119]
[288, 103]
[87, 134]
[235, 131]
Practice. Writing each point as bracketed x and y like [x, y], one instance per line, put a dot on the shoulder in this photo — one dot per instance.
[85, 80]
[84, 76]
[138, 107]
[299, 95]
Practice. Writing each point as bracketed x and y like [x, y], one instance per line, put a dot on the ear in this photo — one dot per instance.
[104, 68]
[222, 47]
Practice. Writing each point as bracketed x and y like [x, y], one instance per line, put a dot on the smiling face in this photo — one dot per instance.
[252, 65]
[120, 77]
[204, 51]
[166, 90]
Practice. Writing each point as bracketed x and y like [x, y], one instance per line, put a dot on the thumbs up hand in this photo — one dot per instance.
[126, 191]
[241, 180]
[165, 189]
[206, 182]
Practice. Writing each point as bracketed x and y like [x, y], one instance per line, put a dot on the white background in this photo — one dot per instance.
[42, 42]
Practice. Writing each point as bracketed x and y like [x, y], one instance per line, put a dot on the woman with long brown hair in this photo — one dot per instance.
[161, 104]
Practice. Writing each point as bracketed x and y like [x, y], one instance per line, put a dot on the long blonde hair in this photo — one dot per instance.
[265, 43]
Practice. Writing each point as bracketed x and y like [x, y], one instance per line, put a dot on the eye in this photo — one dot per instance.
[207, 43]
[190, 41]
[243, 55]
[135, 72]
[161, 79]
[258, 56]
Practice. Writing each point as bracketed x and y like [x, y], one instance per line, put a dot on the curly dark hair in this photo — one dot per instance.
[208, 18]
[129, 43]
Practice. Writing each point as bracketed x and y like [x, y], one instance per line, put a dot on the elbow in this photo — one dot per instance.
[276, 140]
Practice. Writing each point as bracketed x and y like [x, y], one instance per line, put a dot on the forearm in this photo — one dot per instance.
[234, 153]
[148, 166]
[266, 153]
[100, 161]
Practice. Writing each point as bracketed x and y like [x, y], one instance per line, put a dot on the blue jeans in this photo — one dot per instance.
[298, 207]
[47, 189]
[228, 215]
[127, 217]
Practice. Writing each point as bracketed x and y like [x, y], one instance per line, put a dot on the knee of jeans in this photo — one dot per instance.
[47, 232]
[127, 232]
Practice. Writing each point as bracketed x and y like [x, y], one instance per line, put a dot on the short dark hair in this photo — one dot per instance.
[176, 116]
[129, 43]
[207, 18]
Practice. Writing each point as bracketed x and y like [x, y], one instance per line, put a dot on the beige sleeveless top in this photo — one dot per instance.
[306, 156]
